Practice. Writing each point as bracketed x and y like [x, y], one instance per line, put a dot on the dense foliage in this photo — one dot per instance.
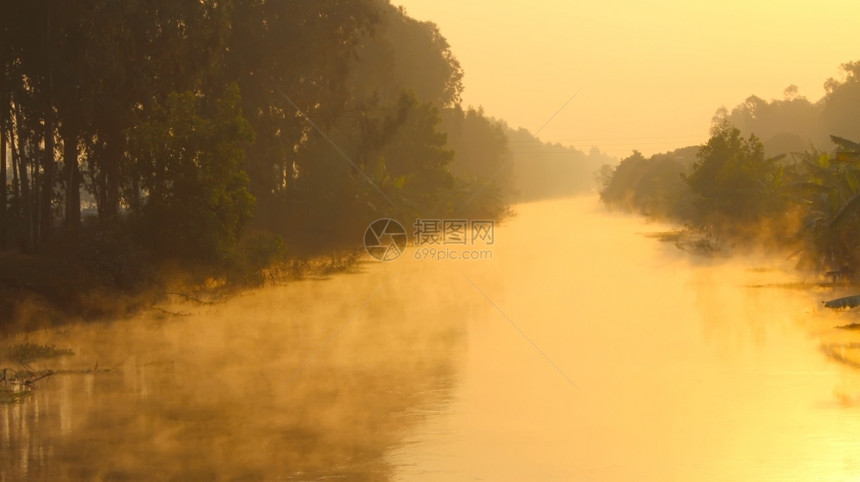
[653, 186]
[175, 127]
[784, 189]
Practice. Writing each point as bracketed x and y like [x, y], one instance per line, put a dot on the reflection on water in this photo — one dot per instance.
[418, 370]
[216, 395]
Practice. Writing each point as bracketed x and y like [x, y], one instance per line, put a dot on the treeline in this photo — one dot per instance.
[654, 186]
[228, 132]
[533, 169]
[736, 187]
[544, 170]
[794, 123]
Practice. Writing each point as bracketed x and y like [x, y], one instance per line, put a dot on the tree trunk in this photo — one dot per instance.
[48, 161]
[111, 174]
[134, 202]
[26, 216]
[3, 193]
[35, 197]
[16, 184]
[47, 189]
[72, 175]
[27, 240]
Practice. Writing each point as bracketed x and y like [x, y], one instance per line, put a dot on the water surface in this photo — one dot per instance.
[582, 351]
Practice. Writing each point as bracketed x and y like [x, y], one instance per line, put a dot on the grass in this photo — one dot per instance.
[26, 353]
[17, 385]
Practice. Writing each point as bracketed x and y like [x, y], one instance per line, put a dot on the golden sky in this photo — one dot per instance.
[647, 75]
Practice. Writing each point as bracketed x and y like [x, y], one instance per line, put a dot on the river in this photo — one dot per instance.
[582, 350]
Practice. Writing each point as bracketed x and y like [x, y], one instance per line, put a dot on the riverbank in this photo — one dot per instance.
[805, 203]
[44, 291]
[707, 243]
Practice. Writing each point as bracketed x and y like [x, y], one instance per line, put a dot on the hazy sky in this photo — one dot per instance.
[649, 75]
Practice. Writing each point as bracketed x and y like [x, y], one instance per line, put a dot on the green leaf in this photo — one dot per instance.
[778, 178]
[845, 143]
[852, 181]
[852, 206]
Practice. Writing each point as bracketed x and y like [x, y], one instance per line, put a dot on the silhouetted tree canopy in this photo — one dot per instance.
[653, 186]
[732, 177]
[783, 189]
[175, 127]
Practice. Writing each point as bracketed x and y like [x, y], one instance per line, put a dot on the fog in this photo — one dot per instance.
[649, 76]
[583, 350]
[414, 240]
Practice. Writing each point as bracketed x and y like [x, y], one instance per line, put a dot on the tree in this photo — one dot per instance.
[840, 114]
[732, 178]
[829, 192]
[416, 151]
[404, 53]
[479, 143]
[3, 181]
[653, 186]
[784, 125]
[119, 103]
[189, 154]
[301, 50]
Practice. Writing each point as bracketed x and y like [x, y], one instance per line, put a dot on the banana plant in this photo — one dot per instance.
[830, 192]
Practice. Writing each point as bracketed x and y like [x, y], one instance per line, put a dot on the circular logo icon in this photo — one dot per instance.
[385, 239]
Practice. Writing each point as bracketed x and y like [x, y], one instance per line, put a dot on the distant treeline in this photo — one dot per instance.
[791, 189]
[544, 170]
[230, 132]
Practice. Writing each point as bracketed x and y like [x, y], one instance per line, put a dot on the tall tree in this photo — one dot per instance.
[840, 113]
[3, 182]
[190, 156]
[732, 177]
[5, 59]
[48, 161]
[301, 50]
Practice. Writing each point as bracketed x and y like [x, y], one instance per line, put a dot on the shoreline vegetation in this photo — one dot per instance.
[775, 176]
[35, 295]
[205, 147]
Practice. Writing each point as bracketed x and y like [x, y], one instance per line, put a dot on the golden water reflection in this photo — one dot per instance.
[216, 396]
[680, 370]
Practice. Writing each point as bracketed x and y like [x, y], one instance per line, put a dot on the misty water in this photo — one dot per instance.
[582, 351]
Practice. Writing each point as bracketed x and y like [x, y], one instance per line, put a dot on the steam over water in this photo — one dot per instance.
[581, 351]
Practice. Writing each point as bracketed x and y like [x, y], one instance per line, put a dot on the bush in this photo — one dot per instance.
[111, 255]
[256, 253]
